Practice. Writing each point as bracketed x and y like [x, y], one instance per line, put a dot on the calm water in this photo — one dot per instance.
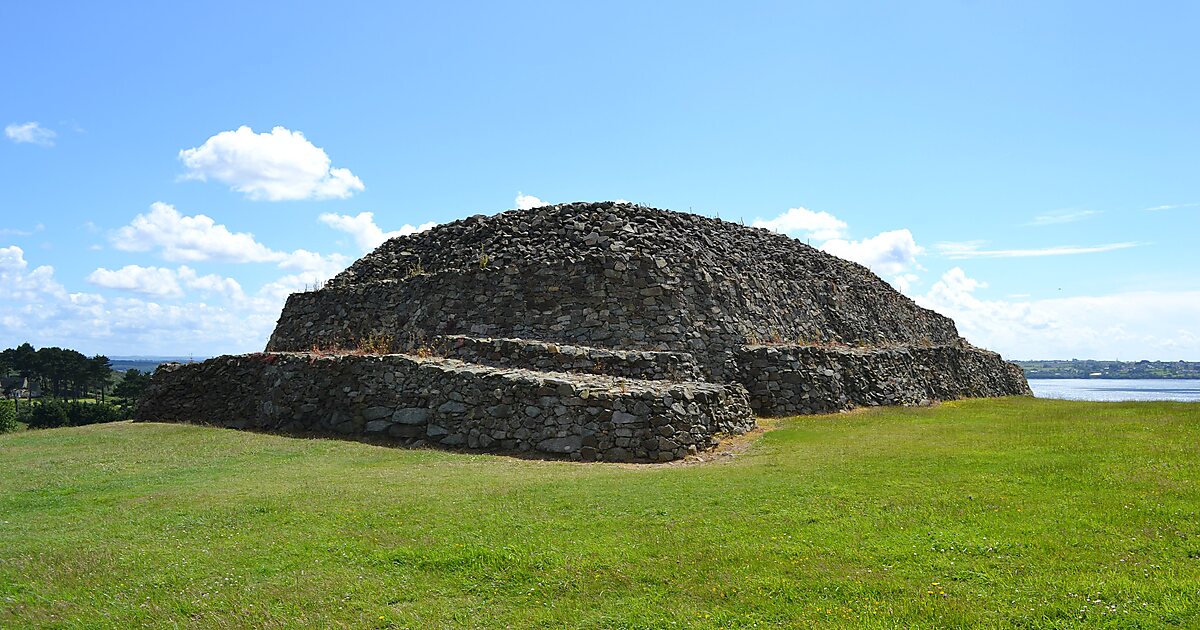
[1187, 390]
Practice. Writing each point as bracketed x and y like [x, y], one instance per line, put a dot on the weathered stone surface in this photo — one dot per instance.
[568, 444]
[375, 413]
[422, 399]
[598, 331]
[412, 415]
[723, 286]
[789, 380]
[378, 425]
[552, 357]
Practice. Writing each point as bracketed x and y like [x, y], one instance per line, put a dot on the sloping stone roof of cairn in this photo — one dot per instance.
[721, 283]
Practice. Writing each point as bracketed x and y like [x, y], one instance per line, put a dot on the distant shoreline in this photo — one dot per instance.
[1047, 377]
[1111, 370]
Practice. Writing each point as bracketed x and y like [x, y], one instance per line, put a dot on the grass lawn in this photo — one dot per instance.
[983, 513]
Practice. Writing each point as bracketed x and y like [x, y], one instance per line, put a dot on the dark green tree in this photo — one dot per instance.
[132, 386]
[22, 359]
[100, 373]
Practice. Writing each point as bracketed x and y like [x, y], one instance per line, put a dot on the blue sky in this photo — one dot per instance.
[1030, 169]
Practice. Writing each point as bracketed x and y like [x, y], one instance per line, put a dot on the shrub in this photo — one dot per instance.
[48, 414]
[52, 413]
[80, 414]
[8, 417]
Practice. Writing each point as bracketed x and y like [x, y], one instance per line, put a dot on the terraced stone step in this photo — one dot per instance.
[556, 357]
[805, 379]
[451, 403]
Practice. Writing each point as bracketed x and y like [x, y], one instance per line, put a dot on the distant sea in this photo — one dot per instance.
[1186, 390]
[147, 363]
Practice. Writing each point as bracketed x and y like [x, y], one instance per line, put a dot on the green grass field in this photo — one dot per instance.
[985, 513]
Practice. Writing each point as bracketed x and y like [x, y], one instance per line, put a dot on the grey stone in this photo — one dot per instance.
[620, 417]
[452, 406]
[568, 444]
[375, 413]
[412, 415]
[376, 426]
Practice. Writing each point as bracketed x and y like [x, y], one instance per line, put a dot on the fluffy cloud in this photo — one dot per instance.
[277, 166]
[189, 238]
[210, 284]
[34, 307]
[904, 282]
[325, 265]
[12, 258]
[805, 223]
[198, 238]
[1129, 326]
[156, 281]
[888, 253]
[31, 133]
[162, 282]
[18, 285]
[367, 235]
[971, 249]
[893, 254]
[528, 202]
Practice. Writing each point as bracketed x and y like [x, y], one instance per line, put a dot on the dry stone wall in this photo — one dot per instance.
[444, 402]
[790, 380]
[538, 355]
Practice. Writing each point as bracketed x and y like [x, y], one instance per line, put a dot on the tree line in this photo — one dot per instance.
[59, 372]
[70, 388]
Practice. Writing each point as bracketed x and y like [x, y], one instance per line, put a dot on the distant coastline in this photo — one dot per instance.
[147, 363]
[1090, 369]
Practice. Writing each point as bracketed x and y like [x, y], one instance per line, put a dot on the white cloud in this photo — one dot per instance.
[970, 249]
[156, 281]
[20, 286]
[12, 258]
[198, 238]
[34, 307]
[189, 238]
[162, 282]
[277, 166]
[528, 202]
[210, 284]
[1128, 326]
[904, 282]
[326, 265]
[1062, 216]
[805, 223]
[1171, 206]
[279, 289]
[888, 253]
[367, 235]
[31, 133]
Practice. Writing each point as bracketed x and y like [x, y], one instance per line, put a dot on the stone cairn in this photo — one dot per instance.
[593, 331]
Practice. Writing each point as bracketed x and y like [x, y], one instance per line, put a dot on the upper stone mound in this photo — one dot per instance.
[609, 274]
